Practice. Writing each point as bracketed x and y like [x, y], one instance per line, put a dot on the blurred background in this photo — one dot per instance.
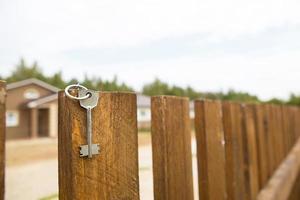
[228, 50]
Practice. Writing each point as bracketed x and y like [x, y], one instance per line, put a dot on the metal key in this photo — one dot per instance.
[90, 149]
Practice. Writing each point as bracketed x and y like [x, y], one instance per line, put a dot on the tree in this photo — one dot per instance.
[57, 80]
[240, 96]
[23, 71]
[276, 101]
[294, 100]
[156, 88]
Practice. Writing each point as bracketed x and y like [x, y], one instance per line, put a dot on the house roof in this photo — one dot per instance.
[32, 81]
[43, 100]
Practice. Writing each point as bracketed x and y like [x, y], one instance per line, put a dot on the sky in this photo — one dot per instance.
[211, 45]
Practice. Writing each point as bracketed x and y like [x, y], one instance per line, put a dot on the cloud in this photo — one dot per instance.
[209, 44]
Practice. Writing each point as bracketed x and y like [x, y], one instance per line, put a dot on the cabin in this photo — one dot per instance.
[31, 109]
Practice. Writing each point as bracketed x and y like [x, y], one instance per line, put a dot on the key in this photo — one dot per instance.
[90, 149]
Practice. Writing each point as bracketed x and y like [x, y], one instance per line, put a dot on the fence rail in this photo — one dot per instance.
[243, 150]
[281, 184]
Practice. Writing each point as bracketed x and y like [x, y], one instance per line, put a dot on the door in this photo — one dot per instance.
[43, 122]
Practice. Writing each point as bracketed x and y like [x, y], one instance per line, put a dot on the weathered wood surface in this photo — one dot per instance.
[262, 146]
[280, 133]
[281, 183]
[2, 138]
[270, 138]
[111, 175]
[234, 148]
[251, 160]
[171, 146]
[210, 150]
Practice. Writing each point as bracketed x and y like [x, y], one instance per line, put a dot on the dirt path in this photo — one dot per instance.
[20, 152]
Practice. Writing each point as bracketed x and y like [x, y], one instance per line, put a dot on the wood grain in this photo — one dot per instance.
[111, 175]
[280, 185]
[171, 146]
[269, 133]
[234, 149]
[279, 133]
[262, 147]
[251, 160]
[210, 150]
[2, 139]
[286, 129]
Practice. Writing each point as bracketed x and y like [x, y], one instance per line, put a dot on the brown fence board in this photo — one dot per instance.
[210, 150]
[171, 145]
[113, 174]
[269, 130]
[234, 149]
[2, 138]
[286, 129]
[251, 160]
[280, 133]
[262, 147]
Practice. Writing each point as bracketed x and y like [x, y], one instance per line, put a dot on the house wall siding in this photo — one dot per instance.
[17, 102]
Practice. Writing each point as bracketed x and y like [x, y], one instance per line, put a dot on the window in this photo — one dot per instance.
[12, 118]
[143, 113]
[31, 94]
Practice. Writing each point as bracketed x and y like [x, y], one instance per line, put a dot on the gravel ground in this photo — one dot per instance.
[40, 179]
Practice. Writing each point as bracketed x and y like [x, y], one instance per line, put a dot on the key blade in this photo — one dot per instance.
[90, 102]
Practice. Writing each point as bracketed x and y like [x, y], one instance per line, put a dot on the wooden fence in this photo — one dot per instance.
[243, 151]
[2, 137]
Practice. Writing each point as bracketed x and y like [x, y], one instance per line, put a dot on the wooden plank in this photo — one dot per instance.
[275, 134]
[294, 125]
[297, 122]
[251, 160]
[210, 150]
[280, 185]
[262, 150]
[113, 174]
[270, 139]
[234, 151]
[2, 138]
[295, 193]
[280, 133]
[171, 146]
[286, 131]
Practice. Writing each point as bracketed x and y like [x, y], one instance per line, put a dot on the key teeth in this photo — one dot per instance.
[98, 148]
[83, 150]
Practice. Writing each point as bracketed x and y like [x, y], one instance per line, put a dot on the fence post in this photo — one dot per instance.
[251, 161]
[234, 150]
[269, 130]
[113, 174]
[2, 138]
[171, 145]
[210, 150]
[279, 133]
[262, 146]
